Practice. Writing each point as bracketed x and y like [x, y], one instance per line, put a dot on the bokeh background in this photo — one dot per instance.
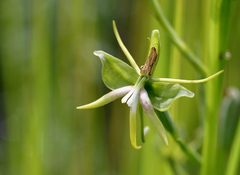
[47, 69]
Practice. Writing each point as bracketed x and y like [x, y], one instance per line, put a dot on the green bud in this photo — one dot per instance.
[153, 55]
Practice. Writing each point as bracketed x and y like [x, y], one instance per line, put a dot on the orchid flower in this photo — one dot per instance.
[134, 85]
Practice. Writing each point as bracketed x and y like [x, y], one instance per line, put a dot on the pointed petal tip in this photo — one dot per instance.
[166, 142]
[113, 21]
[146, 130]
[123, 100]
[192, 95]
[137, 147]
[97, 52]
[155, 32]
[81, 107]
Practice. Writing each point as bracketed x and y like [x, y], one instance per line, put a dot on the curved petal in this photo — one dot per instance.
[162, 94]
[109, 97]
[148, 109]
[171, 80]
[116, 73]
[132, 124]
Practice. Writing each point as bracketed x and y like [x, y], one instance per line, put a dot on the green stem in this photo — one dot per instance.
[213, 94]
[217, 46]
[168, 123]
[193, 59]
[192, 154]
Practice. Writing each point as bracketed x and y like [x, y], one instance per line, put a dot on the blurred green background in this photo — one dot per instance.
[47, 69]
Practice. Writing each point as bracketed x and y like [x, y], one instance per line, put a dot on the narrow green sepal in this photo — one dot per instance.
[153, 55]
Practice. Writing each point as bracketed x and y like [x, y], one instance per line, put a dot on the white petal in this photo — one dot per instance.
[135, 95]
[127, 96]
[148, 109]
[133, 98]
[146, 130]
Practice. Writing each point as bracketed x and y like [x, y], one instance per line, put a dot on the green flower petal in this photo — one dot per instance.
[116, 73]
[133, 125]
[162, 94]
[109, 97]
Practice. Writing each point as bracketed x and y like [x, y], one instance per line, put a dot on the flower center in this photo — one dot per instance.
[132, 96]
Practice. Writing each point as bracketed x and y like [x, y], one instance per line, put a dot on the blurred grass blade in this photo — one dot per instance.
[193, 59]
[234, 158]
[229, 116]
[226, 10]
[214, 88]
[228, 123]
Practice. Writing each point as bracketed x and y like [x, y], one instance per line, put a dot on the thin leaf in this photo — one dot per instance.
[162, 95]
[116, 73]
